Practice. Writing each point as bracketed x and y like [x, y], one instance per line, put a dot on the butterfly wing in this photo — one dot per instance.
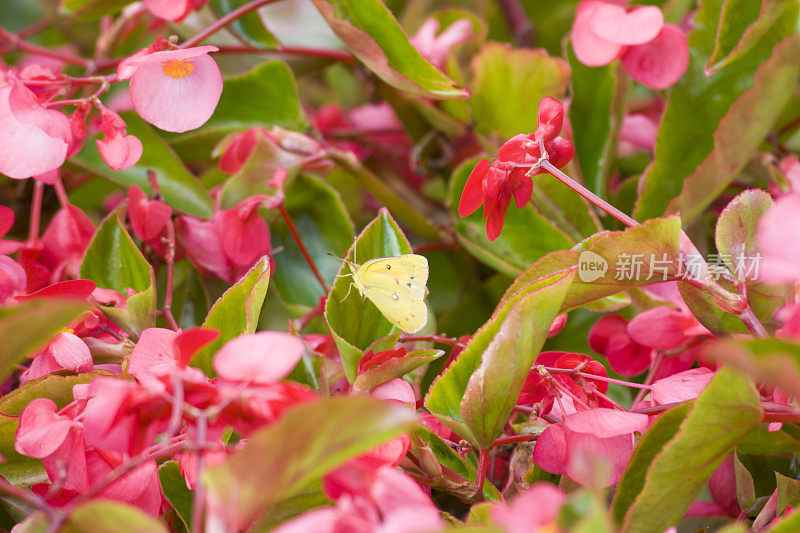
[396, 300]
[410, 269]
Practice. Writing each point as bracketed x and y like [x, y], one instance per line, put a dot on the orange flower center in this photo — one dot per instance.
[177, 68]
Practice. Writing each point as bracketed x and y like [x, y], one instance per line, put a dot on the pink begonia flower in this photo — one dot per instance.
[778, 229]
[590, 443]
[66, 351]
[639, 131]
[174, 10]
[148, 217]
[261, 358]
[722, 486]
[789, 167]
[665, 328]
[654, 53]
[35, 139]
[231, 242]
[609, 336]
[681, 387]
[6, 223]
[435, 48]
[64, 242]
[13, 278]
[175, 90]
[119, 150]
[531, 509]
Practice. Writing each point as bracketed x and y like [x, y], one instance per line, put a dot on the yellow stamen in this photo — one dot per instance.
[177, 68]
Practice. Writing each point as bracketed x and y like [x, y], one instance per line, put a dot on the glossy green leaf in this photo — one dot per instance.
[307, 442]
[173, 485]
[647, 449]
[29, 326]
[655, 243]
[319, 215]
[373, 35]
[249, 27]
[91, 9]
[742, 24]
[765, 442]
[508, 84]
[726, 410]
[101, 516]
[394, 368]
[267, 95]
[179, 188]
[728, 114]
[476, 394]
[355, 322]
[113, 261]
[56, 386]
[527, 235]
[235, 313]
[745, 490]
[595, 116]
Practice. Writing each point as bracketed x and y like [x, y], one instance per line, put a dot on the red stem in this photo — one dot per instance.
[36, 211]
[483, 464]
[322, 53]
[167, 310]
[23, 46]
[199, 497]
[588, 195]
[431, 338]
[303, 250]
[570, 372]
[221, 22]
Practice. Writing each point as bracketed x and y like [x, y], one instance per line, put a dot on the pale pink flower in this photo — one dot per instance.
[530, 510]
[174, 10]
[34, 139]
[65, 351]
[435, 48]
[118, 150]
[778, 231]
[175, 90]
[681, 387]
[260, 358]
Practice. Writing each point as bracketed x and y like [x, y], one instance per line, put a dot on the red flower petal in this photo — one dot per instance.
[472, 197]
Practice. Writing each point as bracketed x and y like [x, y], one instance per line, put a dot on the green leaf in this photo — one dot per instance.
[394, 368]
[307, 442]
[508, 84]
[179, 188]
[656, 243]
[772, 361]
[765, 442]
[373, 35]
[101, 516]
[741, 26]
[726, 410]
[788, 492]
[27, 327]
[249, 27]
[91, 9]
[235, 313]
[173, 485]
[319, 215]
[355, 322]
[728, 114]
[745, 490]
[476, 394]
[527, 235]
[789, 524]
[18, 469]
[309, 497]
[595, 116]
[267, 95]
[660, 433]
[56, 386]
[113, 261]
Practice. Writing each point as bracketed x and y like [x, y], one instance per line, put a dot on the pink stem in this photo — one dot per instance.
[224, 21]
[18, 44]
[36, 211]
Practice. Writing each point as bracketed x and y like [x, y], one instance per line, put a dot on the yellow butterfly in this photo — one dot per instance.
[396, 285]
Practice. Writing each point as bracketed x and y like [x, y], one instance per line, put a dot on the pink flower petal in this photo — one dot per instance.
[637, 26]
[176, 104]
[778, 230]
[169, 9]
[661, 327]
[537, 507]
[590, 49]
[6, 219]
[41, 429]
[396, 389]
[71, 352]
[605, 423]
[550, 450]
[120, 152]
[260, 358]
[681, 387]
[246, 237]
[34, 139]
[593, 459]
[661, 62]
[153, 353]
[186, 344]
[472, 197]
[148, 217]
